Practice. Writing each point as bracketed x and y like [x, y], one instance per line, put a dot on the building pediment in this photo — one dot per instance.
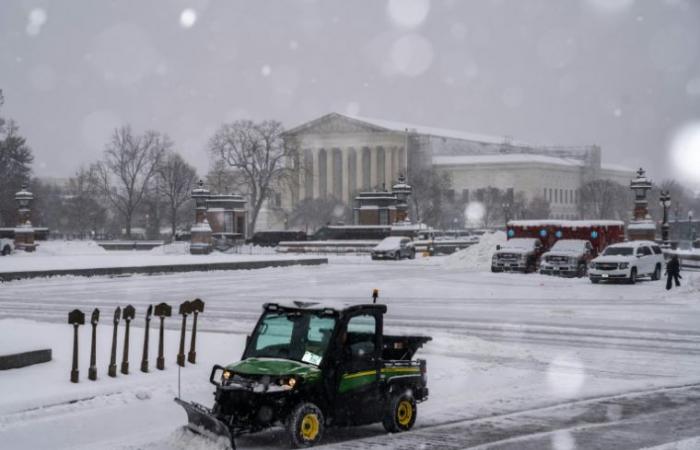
[336, 124]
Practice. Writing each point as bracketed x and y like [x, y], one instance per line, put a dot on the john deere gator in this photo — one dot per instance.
[307, 367]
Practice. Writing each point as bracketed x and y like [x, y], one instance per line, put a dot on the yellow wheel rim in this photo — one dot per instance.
[310, 427]
[404, 413]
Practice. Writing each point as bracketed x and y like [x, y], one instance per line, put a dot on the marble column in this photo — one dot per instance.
[329, 173]
[345, 171]
[359, 169]
[388, 166]
[315, 173]
[373, 168]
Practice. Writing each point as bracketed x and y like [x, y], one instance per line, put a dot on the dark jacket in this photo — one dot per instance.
[673, 267]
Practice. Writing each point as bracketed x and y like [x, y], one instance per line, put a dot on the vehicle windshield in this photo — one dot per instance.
[519, 244]
[619, 251]
[389, 243]
[300, 336]
[569, 245]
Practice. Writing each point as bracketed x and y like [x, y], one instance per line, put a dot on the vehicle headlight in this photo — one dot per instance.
[624, 265]
[288, 383]
[225, 376]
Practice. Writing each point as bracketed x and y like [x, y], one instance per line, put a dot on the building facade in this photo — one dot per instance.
[341, 156]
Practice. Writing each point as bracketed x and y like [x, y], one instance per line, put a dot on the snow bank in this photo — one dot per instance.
[174, 248]
[478, 256]
[64, 248]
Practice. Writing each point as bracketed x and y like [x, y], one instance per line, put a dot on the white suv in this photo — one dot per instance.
[628, 261]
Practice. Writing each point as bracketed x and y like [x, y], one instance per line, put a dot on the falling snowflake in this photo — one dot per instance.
[187, 18]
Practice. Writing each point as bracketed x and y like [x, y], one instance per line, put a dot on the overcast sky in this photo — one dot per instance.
[624, 74]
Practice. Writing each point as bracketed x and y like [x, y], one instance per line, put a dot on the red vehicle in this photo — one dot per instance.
[600, 233]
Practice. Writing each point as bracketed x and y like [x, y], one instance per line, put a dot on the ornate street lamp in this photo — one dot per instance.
[665, 202]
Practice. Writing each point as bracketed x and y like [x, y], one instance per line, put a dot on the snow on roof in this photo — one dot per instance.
[632, 244]
[521, 158]
[641, 226]
[616, 167]
[433, 131]
[565, 223]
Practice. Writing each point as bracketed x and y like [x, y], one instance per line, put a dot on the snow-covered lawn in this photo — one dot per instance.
[52, 255]
[502, 343]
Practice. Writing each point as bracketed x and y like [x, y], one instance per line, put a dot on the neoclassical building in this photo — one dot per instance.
[341, 156]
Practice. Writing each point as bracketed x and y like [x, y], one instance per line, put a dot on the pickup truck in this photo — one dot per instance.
[517, 255]
[6, 246]
[308, 366]
[567, 257]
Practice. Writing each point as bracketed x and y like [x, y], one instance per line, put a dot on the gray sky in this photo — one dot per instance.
[624, 74]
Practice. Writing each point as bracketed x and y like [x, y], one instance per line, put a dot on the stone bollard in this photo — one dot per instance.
[127, 315]
[92, 372]
[196, 307]
[112, 371]
[162, 310]
[144, 358]
[75, 318]
[185, 309]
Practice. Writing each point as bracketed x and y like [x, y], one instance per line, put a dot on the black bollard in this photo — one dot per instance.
[162, 310]
[196, 307]
[184, 311]
[92, 372]
[144, 358]
[112, 371]
[127, 315]
[75, 318]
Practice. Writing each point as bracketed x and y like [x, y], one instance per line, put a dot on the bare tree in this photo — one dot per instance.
[85, 211]
[130, 162]
[176, 178]
[428, 198]
[312, 214]
[259, 157]
[537, 208]
[604, 199]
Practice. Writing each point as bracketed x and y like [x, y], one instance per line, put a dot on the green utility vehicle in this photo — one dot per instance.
[307, 367]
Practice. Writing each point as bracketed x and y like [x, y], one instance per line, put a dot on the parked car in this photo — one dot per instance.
[394, 247]
[6, 246]
[518, 254]
[568, 257]
[627, 261]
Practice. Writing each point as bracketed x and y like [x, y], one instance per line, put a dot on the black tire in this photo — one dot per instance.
[374, 258]
[401, 413]
[582, 271]
[412, 255]
[6, 250]
[397, 256]
[657, 273]
[305, 425]
[633, 276]
[595, 280]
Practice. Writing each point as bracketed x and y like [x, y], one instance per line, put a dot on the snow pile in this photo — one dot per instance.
[478, 256]
[65, 248]
[174, 248]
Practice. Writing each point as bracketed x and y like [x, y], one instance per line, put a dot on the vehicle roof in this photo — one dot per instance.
[632, 244]
[305, 306]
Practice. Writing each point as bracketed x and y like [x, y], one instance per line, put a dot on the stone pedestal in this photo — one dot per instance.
[200, 243]
[641, 227]
[24, 238]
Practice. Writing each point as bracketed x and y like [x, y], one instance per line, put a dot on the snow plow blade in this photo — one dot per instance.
[202, 421]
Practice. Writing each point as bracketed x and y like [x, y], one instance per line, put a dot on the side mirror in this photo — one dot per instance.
[498, 247]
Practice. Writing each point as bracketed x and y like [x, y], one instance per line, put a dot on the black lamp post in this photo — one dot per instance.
[665, 202]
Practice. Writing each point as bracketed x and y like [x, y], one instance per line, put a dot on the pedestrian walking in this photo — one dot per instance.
[673, 272]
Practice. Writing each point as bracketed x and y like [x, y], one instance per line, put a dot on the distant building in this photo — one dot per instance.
[341, 156]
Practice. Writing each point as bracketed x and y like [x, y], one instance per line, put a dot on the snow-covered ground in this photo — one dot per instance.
[52, 255]
[509, 351]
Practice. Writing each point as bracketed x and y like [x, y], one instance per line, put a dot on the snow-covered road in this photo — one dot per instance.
[503, 343]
